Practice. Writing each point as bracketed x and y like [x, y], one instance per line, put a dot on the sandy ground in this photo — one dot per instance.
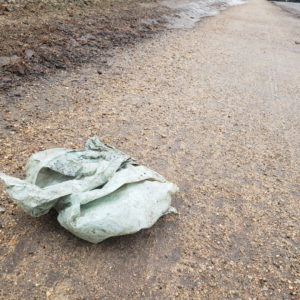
[215, 110]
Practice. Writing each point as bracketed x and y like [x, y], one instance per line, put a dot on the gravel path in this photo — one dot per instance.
[214, 109]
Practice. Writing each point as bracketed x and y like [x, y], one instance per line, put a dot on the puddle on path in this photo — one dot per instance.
[187, 12]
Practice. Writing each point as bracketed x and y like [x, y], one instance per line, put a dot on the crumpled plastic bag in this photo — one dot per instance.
[98, 192]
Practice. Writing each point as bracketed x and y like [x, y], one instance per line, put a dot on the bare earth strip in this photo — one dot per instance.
[216, 110]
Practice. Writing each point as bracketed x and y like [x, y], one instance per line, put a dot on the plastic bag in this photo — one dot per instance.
[98, 192]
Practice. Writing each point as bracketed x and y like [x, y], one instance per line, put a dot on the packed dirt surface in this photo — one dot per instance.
[214, 109]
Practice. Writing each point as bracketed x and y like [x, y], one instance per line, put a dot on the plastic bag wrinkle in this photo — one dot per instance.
[98, 192]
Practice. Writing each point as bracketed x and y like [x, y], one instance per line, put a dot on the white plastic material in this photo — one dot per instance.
[98, 192]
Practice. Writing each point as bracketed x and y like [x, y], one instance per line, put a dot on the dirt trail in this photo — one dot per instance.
[214, 109]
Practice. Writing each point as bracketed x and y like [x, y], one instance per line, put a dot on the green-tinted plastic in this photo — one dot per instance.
[98, 192]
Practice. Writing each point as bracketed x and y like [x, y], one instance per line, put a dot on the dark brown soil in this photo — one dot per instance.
[63, 34]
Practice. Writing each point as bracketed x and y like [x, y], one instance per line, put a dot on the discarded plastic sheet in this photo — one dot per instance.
[98, 192]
